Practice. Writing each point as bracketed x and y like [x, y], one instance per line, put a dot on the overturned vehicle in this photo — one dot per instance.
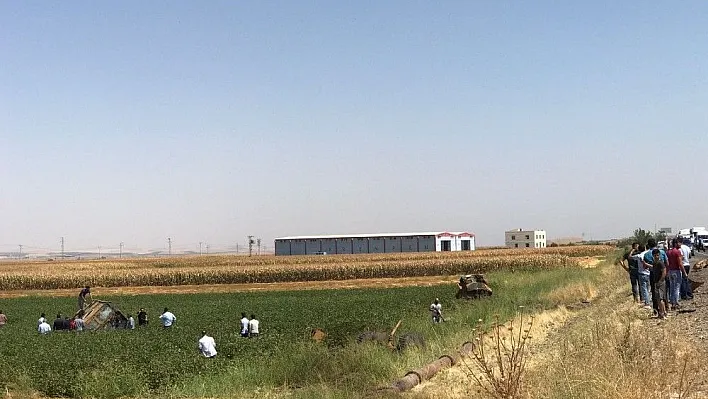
[102, 315]
[473, 286]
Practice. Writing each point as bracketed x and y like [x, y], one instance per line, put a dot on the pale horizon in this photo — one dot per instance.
[208, 122]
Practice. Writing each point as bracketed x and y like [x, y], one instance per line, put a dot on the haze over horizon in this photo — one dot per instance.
[210, 121]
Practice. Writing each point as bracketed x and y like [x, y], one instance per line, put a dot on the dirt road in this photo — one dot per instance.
[225, 288]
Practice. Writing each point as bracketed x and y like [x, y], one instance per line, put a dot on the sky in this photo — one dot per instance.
[209, 121]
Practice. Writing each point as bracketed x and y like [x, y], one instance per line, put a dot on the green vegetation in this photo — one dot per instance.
[152, 361]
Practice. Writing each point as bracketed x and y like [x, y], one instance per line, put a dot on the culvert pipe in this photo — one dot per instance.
[415, 377]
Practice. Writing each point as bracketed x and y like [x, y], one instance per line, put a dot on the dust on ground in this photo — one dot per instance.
[251, 287]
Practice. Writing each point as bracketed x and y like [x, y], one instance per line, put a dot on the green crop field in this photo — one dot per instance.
[152, 361]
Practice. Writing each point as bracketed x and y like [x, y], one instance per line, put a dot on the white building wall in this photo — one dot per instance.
[520, 238]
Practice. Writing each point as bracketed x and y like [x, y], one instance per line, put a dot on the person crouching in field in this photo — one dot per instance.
[253, 327]
[3, 319]
[659, 275]
[207, 345]
[167, 318]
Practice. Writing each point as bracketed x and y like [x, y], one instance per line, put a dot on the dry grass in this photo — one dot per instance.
[611, 351]
[573, 293]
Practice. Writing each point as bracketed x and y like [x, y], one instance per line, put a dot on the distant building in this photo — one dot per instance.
[375, 243]
[520, 238]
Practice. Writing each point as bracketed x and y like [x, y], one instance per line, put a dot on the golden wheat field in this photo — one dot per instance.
[196, 270]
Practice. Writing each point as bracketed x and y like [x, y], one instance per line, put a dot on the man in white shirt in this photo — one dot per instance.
[436, 310]
[167, 318]
[244, 325]
[207, 345]
[131, 322]
[686, 289]
[253, 326]
[44, 328]
[42, 319]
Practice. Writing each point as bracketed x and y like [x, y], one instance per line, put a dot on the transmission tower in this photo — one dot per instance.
[200, 248]
[250, 245]
[169, 246]
[259, 246]
[62, 247]
[120, 250]
[20, 256]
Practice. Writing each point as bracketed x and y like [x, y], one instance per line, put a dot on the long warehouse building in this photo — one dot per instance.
[375, 243]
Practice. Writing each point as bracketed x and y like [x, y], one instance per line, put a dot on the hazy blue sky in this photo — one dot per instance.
[209, 120]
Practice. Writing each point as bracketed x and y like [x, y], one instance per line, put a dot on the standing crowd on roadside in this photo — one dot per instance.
[659, 278]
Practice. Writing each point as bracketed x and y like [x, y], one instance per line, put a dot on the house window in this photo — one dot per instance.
[527, 245]
[513, 237]
[516, 245]
[528, 236]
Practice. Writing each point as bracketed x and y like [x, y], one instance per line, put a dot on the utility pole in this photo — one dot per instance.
[99, 252]
[200, 248]
[236, 248]
[259, 246]
[207, 246]
[169, 246]
[20, 256]
[62, 247]
[120, 253]
[250, 245]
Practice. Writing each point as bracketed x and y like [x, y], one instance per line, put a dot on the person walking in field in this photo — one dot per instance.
[630, 264]
[167, 318]
[131, 322]
[142, 317]
[42, 319]
[207, 346]
[86, 291]
[436, 311]
[44, 327]
[659, 276]
[79, 323]
[253, 327]
[686, 289]
[648, 262]
[244, 325]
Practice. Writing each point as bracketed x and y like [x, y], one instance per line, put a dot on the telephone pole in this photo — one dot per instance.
[250, 245]
[200, 248]
[120, 250]
[169, 246]
[20, 256]
[62, 247]
[259, 246]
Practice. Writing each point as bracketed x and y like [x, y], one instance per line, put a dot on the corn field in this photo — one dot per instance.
[270, 269]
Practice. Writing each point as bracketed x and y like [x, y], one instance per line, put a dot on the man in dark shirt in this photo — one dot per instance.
[631, 265]
[142, 317]
[658, 273]
[58, 323]
[82, 296]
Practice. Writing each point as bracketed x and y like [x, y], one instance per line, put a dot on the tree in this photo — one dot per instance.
[642, 236]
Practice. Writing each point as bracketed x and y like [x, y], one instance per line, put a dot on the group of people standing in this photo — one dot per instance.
[659, 276]
[249, 328]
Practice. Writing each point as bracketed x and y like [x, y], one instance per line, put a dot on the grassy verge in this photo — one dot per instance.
[282, 362]
[612, 351]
